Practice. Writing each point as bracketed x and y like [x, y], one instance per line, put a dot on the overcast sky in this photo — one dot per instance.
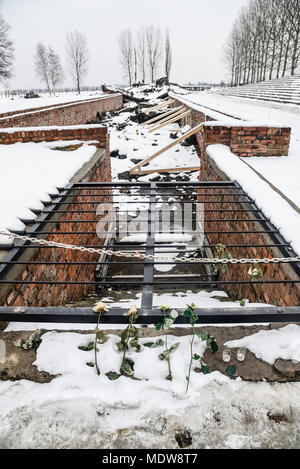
[198, 30]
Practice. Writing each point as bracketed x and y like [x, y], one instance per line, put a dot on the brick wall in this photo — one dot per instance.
[243, 140]
[278, 295]
[76, 112]
[53, 295]
[52, 134]
[250, 141]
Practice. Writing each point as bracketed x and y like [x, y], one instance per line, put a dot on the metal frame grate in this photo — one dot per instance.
[150, 194]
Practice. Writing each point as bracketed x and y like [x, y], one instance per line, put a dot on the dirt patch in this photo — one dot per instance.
[19, 362]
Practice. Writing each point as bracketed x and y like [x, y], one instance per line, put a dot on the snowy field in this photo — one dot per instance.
[18, 103]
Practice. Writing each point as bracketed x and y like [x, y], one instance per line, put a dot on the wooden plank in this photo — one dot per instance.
[169, 121]
[166, 148]
[181, 111]
[160, 106]
[167, 170]
[161, 116]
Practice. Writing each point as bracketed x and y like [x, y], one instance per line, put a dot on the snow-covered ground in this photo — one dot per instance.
[280, 212]
[29, 172]
[282, 172]
[178, 299]
[143, 144]
[79, 409]
[18, 103]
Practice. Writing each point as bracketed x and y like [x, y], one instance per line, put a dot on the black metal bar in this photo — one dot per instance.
[130, 246]
[158, 184]
[126, 262]
[275, 235]
[145, 232]
[146, 202]
[119, 315]
[138, 194]
[218, 220]
[124, 211]
[16, 251]
[103, 282]
[147, 291]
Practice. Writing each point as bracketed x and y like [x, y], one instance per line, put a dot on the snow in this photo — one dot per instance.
[244, 109]
[179, 299]
[159, 238]
[282, 172]
[28, 173]
[19, 104]
[271, 345]
[281, 214]
[144, 144]
[79, 409]
[12, 130]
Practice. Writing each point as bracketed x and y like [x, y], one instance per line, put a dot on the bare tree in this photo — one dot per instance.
[56, 73]
[142, 51]
[153, 38]
[265, 39]
[127, 53]
[77, 54]
[42, 64]
[6, 51]
[168, 55]
[135, 56]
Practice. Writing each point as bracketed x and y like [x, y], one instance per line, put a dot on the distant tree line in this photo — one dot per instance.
[145, 54]
[264, 42]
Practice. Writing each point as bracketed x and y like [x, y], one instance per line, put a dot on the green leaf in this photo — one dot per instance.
[158, 343]
[133, 331]
[87, 348]
[125, 335]
[149, 344]
[166, 353]
[214, 346]
[230, 371]
[91, 364]
[127, 367]
[135, 343]
[101, 336]
[196, 357]
[202, 335]
[158, 326]
[112, 375]
[205, 369]
[168, 323]
[121, 346]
